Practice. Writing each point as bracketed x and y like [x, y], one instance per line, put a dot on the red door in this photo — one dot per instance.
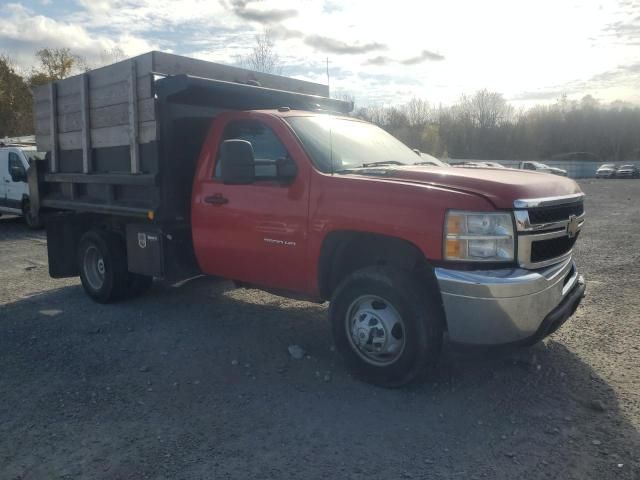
[254, 233]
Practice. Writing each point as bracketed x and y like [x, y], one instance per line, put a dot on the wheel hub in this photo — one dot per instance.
[94, 267]
[375, 329]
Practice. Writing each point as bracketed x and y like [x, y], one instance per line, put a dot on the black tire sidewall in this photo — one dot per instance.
[107, 244]
[423, 332]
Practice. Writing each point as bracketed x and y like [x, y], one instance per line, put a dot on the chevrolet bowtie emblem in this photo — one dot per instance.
[573, 227]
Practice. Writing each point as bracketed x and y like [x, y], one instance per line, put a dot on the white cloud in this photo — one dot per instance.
[378, 51]
[23, 32]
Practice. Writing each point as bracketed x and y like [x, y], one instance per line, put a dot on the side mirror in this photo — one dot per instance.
[286, 169]
[18, 173]
[237, 162]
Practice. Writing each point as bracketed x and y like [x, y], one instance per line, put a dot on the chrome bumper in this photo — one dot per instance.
[493, 307]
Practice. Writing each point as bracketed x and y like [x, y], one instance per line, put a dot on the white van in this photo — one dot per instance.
[14, 189]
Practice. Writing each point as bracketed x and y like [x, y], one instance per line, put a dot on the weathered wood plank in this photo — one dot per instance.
[43, 142]
[40, 93]
[86, 126]
[53, 128]
[100, 137]
[107, 95]
[70, 86]
[133, 119]
[98, 97]
[175, 64]
[41, 110]
[100, 77]
[99, 117]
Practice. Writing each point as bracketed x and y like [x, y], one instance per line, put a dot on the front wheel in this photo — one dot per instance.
[388, 330]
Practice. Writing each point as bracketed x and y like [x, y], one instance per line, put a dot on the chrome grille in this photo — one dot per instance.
[543, 250]
[547, 229]
[555, 213]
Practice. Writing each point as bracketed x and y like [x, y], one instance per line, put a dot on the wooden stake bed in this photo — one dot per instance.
[124, 139]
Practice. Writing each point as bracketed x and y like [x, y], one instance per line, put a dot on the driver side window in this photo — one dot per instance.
[14, 162]
[267, 147]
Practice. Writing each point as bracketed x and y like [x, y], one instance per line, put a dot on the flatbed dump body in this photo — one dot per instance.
[124, 139]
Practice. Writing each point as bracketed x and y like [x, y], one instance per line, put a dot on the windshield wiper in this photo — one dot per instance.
[385, 162]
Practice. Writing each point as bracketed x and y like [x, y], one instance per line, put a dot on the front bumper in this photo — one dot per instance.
[493, 307]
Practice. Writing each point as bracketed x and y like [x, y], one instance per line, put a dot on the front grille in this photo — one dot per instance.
[547, 249]
[555, 213]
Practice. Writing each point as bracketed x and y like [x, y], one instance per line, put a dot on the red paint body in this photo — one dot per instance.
[271, 235]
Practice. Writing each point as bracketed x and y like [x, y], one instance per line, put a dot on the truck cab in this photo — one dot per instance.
[14, 189]
[357, 210]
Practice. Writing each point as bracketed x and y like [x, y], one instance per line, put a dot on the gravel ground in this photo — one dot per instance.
[195, 381]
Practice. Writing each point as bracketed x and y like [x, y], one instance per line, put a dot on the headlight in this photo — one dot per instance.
[478, 237]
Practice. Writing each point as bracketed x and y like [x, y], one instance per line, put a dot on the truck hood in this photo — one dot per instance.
[498, 185]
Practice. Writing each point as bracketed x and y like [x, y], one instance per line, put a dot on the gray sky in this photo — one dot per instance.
[381, 52]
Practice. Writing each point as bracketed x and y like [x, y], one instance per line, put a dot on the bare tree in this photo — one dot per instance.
[376, 114]
[112, 55]
[486, 109]
[418, 112]
[263, 57]
[345, 97]
[57, 63]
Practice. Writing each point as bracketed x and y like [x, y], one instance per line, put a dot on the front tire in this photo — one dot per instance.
[102, 263]
[386, 325]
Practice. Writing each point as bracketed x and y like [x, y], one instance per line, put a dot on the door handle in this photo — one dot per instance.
[216, 199]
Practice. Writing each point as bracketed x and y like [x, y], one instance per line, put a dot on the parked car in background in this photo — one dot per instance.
[628, 171]
[541, 167]
[607, 170]
[469, 165]
[14, 190]
[494, 165]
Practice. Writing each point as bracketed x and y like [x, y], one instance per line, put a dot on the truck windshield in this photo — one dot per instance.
[340, 144]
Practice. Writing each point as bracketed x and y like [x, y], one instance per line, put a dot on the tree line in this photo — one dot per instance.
[485, 126]
[479, 126]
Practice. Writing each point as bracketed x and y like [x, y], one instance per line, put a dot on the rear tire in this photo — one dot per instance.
[102, 263]
[386, 325]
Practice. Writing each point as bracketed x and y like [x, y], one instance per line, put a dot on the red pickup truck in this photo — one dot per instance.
[318, 205]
